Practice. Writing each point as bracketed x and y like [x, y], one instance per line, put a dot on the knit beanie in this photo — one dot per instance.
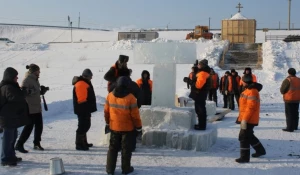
[292, 71]
[87, 73]
[33, 68]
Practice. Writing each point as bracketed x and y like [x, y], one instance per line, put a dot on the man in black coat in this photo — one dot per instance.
[116, 70]
[84, 101]
[13, 114]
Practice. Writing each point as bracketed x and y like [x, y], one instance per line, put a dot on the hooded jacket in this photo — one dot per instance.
[84, 99]
[146, 86]
[13, 106]
[121, 110]
[113, 73]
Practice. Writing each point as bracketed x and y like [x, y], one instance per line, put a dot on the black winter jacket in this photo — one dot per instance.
[14, 110]
[90, 105]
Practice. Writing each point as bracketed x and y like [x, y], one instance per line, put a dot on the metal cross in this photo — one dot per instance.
[239, 7]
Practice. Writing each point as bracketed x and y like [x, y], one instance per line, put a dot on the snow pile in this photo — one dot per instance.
[24, 47]
[273, 55]
[237, 17]
[212, 51]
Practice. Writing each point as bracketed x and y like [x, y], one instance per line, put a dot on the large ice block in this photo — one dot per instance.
[153, 53]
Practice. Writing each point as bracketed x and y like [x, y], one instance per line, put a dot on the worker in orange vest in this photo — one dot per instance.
[117, 70]
[229, 91]
[247, 70]
[290, 88]
[249, 118]
[222, 88]
[145, 84]
[212, 94]
[235, 86]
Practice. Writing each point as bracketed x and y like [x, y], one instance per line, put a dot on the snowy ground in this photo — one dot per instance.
[60, 62]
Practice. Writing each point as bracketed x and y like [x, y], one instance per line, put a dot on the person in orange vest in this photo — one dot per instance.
[145, 85]
[84, 101]
[235, 85]
[122, 115]
[290, 88]
[229, 91]
[247, 71]
[212, 94]
[199, 90]
[222, 88]
[249, 118]
[192, 74]
[116, 71]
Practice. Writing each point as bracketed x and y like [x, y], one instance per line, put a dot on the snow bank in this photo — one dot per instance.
[24, 47]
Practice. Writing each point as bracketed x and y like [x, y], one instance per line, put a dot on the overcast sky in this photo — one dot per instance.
[146, 13]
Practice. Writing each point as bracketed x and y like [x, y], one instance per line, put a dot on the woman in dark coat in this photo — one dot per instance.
[13, 114]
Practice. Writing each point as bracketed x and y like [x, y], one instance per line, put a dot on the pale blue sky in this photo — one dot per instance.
[146, 13]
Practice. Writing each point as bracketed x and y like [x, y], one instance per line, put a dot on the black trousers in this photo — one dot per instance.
[84, 123]
[200, 109]
[225, 100]
[237, 98]
[212, 96]
[292, 116]
[230, 98]
[37, 123]
[120, 140]
[247, 138]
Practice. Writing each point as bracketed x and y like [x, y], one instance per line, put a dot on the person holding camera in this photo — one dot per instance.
[33, 97]
[123, 118]
[13, 114]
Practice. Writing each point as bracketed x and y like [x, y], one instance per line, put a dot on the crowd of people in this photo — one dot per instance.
[21, 106]
[204, 82]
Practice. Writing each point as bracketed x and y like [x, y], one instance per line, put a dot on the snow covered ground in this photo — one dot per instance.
[60, 62]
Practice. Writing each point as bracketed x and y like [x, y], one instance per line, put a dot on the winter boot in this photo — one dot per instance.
[130, 170]
[80, 142]
[260, 150]
[85, 141]
[20, 147]
[37, 146]
[197, 127]
[245, 156]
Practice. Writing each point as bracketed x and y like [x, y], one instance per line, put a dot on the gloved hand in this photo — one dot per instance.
[244, 124]
[44, 90]
[226, 92]
[139, 134]
[107, 129]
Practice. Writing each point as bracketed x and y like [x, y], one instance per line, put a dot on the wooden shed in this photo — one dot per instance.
[146, 36]
[239, 29]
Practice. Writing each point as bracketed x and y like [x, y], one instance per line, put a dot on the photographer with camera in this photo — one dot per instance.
[33, 91]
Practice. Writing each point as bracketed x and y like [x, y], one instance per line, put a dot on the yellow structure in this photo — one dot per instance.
[239, 29]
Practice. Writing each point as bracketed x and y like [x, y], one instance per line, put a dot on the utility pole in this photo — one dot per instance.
[290, 4]
[79, 21]
[209, 23]
[279, 25]
[71, 33]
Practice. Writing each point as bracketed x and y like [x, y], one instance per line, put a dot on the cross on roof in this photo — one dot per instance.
[239, 7]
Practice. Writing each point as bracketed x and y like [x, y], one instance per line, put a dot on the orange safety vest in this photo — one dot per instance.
[293, 95]
[229, 83]
[222, 86]
[214, 79]
[122, 114]
[249, 106]
[139, 82]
